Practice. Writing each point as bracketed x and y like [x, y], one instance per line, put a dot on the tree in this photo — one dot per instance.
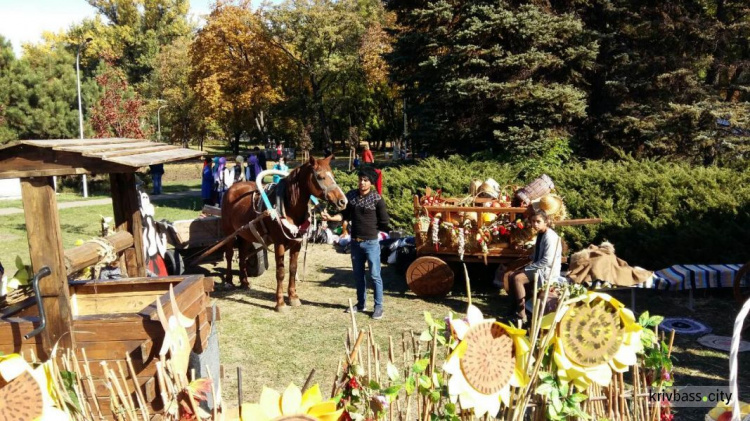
[39, 93]
[490, 75]
[139, 28]
[323, 39]
[119, 111]
[233, 64]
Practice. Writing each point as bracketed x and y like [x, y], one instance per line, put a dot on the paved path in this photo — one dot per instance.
[106, 201]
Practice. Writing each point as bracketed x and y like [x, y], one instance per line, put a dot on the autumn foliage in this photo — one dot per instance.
[119, 110]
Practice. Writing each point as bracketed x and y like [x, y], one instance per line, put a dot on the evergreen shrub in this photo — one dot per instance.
[656, 214]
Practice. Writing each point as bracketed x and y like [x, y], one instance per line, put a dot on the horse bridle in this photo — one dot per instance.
[327, 188]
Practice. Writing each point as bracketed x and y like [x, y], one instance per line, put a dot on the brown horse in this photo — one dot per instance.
[239, 206]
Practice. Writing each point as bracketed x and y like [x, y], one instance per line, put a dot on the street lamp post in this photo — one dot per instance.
[80, 107]
[158, 120]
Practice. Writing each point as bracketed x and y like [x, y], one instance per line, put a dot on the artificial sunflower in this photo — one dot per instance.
[595, 335]
[28, 392]
[293, 405]
[486, 362]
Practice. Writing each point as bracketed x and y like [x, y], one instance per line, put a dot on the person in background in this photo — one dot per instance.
[281, 166]
[207, 183]
[253, 168]
[261, 159]
[156, 170]
[327, 152]
[545, 266]
[2, 270]
[368, 215]
[239, 171]
[367, 157]
[219, 164]
[355, 163]
[280, 150]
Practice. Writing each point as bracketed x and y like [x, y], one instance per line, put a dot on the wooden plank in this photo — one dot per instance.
[46, 250]
[23, 161]
[198, 232]
[156, 157]
[211, 210]
[102, 147]
[570, 222]
[125, 204]
[186, 292]
[442, 209]
[51, 143]
[112, 303]
[144, 281]
[156, 147]
[114, 350]
[90, 253]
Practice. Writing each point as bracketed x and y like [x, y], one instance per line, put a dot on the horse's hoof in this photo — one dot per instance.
[245, 286]
[295, 302]
[282, 308]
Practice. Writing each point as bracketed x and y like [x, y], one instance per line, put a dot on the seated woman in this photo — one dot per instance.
[545, 265]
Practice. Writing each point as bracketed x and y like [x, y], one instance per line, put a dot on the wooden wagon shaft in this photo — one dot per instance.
[249, 226]
[88, 254]
[570, 222]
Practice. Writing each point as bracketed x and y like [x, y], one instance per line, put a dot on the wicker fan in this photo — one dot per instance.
[591, 335]
[21, 399]
[489, 361]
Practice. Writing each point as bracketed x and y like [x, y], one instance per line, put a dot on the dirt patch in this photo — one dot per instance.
[182, 171]
[8, 237]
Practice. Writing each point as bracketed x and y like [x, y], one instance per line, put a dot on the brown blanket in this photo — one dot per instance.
[600, 263]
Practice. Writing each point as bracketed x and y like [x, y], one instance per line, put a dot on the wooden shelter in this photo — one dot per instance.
[119, 314]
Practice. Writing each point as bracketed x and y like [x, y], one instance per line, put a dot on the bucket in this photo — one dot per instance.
[534, 190]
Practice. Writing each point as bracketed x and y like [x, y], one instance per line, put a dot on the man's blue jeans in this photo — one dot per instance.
[367, 251]
[156, 178]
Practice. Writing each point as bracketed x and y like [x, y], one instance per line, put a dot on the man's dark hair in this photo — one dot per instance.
[368, 172]
[542, 214]
[256, 148]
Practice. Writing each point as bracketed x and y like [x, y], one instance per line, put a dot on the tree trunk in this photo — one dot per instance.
[318, 102]
[236, 143]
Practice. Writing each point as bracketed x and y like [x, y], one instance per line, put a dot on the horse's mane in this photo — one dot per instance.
[294, 183]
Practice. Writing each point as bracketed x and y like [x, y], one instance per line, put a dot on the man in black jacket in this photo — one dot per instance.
[368, 215]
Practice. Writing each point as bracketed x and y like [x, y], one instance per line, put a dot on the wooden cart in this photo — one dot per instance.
[430, 273]
[108, 319]
[191, 237]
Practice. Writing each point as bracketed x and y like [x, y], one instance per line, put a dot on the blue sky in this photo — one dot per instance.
[23, 21]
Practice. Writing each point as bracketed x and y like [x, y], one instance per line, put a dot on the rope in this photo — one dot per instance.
[733, 354]
[106, 253]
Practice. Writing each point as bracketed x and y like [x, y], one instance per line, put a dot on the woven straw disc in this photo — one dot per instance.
[21, 399]
[429, 275]
[489, 361]
[591, 335]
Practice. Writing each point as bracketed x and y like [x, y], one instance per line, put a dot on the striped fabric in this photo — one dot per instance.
[687, 277]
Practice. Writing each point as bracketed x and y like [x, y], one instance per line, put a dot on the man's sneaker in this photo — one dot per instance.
[355, 309]
[378, 313]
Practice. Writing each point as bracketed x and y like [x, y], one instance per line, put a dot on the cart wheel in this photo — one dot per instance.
[173, 261]
[742, 284]
[429, 275]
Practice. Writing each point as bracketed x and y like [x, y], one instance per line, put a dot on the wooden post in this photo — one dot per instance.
[46, 249]
[125, 205]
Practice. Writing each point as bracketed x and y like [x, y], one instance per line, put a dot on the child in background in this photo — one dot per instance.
[207, 182]
[281, 166]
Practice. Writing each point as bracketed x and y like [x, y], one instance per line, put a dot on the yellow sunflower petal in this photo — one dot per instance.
[474, 315]
[53, 414]
[312, 396]
[504, 396]
[252, 412]
[600, 374]
[12, 366]
[512, 331]
[625, 355]
[270, 401]
[460, 327]
[333, 416]
[326, 407]
[452, 365]
[291, 400]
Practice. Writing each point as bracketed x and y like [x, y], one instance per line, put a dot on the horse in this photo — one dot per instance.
[241, 204]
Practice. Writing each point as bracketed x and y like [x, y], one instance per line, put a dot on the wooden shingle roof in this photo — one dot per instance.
[33, 158]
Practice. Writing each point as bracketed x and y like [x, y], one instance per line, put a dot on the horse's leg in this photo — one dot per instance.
[229, 254]
[242, 249]
[294, 300]
[280, 305]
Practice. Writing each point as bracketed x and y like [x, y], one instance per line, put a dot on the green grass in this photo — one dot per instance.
[82, 223]
[61, 198]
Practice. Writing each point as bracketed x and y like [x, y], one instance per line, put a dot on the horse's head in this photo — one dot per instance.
[325, 187]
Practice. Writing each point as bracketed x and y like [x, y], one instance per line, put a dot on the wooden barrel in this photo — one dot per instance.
[534, 190]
